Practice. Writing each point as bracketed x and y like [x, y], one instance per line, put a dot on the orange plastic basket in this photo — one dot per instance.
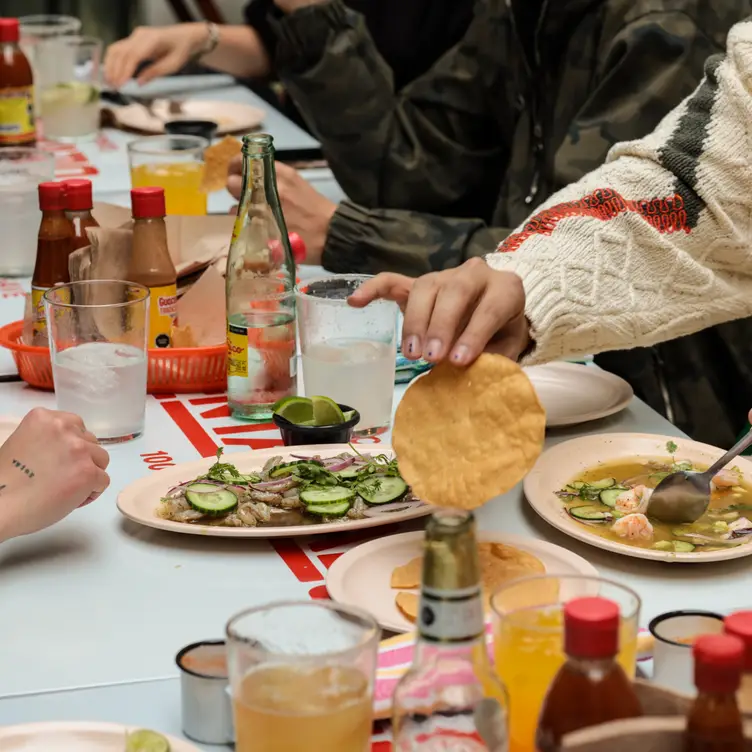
[171, 370]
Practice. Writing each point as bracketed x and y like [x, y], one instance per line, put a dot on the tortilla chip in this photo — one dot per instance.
[182, 336]
[407, 577]
[217, 160]
[466, 435]
[500, 564]
[408, 604]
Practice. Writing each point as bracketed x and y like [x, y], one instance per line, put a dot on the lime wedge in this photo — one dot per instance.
[326, 412]
[146, 741]
[348, 415]
[295, 409]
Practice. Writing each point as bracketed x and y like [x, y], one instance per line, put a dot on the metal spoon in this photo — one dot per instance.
[684, 496]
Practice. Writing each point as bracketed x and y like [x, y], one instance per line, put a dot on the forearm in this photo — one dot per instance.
[370, 241]
[240, 52]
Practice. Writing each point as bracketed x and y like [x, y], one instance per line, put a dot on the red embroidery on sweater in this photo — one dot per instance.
[667, 215]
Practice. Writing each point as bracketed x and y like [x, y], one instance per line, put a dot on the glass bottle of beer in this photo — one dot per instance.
[78, 206]
[260, 282]
[450, 698]
[714, 723]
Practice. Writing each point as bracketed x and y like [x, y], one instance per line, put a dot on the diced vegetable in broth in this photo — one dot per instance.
[611, 501]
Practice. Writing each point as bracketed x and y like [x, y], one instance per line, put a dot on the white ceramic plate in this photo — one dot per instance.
[232, 117]
[74, 737]
[573, 393]
[362, 576]
[560, 464]
[140, 499]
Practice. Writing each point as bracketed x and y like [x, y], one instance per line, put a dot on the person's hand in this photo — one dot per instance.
[288, 6]
[455, 314]
[49, 466]
[168, 48]
[235, 176]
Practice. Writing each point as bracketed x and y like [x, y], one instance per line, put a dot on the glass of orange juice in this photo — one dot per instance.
[529, 639]
[175, 163]
[302, 675]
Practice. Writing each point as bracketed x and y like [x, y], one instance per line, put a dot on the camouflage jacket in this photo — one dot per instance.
[443, 169]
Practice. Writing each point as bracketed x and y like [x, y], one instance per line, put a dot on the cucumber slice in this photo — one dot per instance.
[326, 495]
[348, 473]
[610, 495]
[591, 513]
[339, 509]
[381, 489]
[683, 547]
[282, 471]
[682, 465]
[576, 486]
[603, 483]
[210, 500]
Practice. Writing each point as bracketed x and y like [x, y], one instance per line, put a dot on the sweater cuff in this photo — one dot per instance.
[342, 252]
[305, 33]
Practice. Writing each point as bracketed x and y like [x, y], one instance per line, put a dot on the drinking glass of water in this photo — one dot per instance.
[302, 676]
[97, 332]
[349, 354]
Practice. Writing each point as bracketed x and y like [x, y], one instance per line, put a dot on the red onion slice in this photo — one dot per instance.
[277, 485]
[395, 506]
[340, 465]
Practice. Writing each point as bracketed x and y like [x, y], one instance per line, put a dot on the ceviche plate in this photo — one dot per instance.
[595, 489]
[367, 495]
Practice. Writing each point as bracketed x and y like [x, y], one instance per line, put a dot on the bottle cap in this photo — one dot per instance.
[740, 625]
[148, 202]
[298, 248]
[591, 628]
[718, 663]
[9, 30]
[52, 196]
[78, 195]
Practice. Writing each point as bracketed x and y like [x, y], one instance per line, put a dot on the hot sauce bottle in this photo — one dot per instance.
[54, 245]
[78, 206]
[16, 89]
[740, 625]
[714, 723]
[151, 264]
[591, 687]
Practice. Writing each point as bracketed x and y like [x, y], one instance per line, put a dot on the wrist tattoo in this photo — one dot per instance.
[23, 468]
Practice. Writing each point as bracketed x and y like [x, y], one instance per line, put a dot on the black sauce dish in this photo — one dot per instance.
[294, 435]
[205, 128]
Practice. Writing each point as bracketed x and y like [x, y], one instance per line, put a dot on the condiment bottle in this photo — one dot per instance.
[151, 264]
[714, 723]
[16, 89]
[54, 245]
[740, 625]
[78, 206]
[260, 279]
[591, 687]
[450, 698]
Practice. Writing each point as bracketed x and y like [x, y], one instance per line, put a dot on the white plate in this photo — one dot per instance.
[139, 500]
[560, 464]
[362, 576]
[573, 393]
[232, 117]
[74, 737]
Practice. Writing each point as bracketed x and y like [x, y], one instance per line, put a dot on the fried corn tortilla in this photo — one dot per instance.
[499, 564]
[217, 160]
[465, 435]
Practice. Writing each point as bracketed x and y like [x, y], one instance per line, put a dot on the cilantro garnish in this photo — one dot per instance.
[671, 447]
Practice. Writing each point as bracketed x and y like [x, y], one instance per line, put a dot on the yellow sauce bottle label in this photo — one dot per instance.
[16, 115]
[163, 313]
[39, 322]
[237, 350]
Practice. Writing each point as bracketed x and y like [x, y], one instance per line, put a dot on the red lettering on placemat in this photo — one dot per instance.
[209, 401]
[192, 429]
[319, 593]
[9, 288]
[296, 559]
[158, 460]
[381, 747]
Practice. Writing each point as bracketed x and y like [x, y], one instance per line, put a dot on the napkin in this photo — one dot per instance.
[406, 370]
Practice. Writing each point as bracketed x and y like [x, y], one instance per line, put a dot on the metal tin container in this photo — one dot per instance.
[204, 690]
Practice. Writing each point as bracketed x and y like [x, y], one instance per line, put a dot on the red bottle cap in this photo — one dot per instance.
[718, 663]
[298, 247]
[740, 625]
[52, 196]
[10, 31]
[78, 195]
[591, 628]
[148, 202]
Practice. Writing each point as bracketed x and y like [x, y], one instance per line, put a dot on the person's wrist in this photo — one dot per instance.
[200, 39]
[322, 232]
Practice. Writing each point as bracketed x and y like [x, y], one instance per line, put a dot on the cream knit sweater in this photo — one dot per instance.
[656, 243]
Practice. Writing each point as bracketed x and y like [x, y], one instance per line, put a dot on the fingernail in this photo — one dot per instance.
[433, 349]
[412, 345]
[461, 354]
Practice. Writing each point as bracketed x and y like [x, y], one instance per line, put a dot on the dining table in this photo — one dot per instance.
[94, 609]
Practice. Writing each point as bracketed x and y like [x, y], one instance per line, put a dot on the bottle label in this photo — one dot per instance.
[17, 115]
[451, 615]
[39, 322]
[163, 311]
[237, 350]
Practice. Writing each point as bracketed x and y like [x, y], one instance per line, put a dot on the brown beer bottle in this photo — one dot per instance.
[78, 206]
[16, 89]
[54, 245]
[151, 264]
[714, 723]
